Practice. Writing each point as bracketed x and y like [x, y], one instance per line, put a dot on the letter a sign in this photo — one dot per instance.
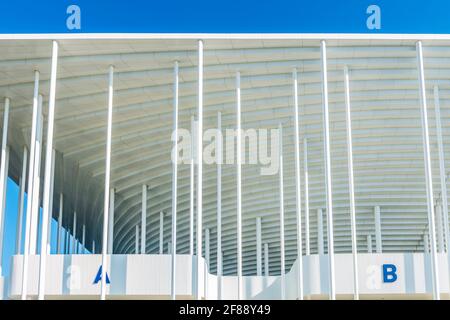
[98, 277]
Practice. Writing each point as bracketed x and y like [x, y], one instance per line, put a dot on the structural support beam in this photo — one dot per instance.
[320, 234]
[136, 241]
[258, 247]
[239, 185]
[161, 232]
[306, 173]
[351, 184]
[378, 239]
[192, 189]
[199, 150]
[60, 230]
[174, 180]
[281, 178]
[298, 187]
[107, 185]
[327, 160]
[52, 189]
[83, 239]
[3, 176]
[21, 201]
[219, 158]
[428, 171]
[439, 227]
[442, 175]
[266, 259]
[74, 234]
[144, 219]
[111, 221]
[369, 243]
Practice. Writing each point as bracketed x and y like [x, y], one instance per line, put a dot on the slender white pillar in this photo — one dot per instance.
[320, 241]
[258, 247]
[83, 240]
[60, 216]
[21, 201]
[306, 173]
[52, 188]
[266, 259]
[107, 185]
[3, 175]
[49, 156]
[192, 189]
[74, 233]
[93, 247]
[199, 146]
[136, 241]
[328, 186]
[378, 239]
[369, 243]
[144, 220]
[442, 174]
[239, 185]
[161, 232]
[440, 234]
[28, 219]
[351, 184]
[282, 262]
[36, 181]
[428, 171]
[174, 180]
[298, 187]
[207, 247]
[111, 221]
[219, 158]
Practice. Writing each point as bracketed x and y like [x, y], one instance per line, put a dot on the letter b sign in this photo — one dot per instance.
[389, 273]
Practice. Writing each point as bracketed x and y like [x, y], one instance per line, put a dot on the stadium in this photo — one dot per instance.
[356, 207]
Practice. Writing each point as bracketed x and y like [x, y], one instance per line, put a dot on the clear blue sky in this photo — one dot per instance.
[32, 16]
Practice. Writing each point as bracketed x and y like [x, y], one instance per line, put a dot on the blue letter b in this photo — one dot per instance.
[389, 273]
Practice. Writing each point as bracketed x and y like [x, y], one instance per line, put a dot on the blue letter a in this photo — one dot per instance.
[98, 277]
[389, 273]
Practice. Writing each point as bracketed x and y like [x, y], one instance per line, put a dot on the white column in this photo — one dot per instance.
[52, 187]
[428, 171]
[282, 262]
[219, 158]
[30, 187]
[136, 241]
[351, 185]
[239, 185]
[93, 246]
[369, 243]
[207, 247]
[258, 247]
[107, 185]
[329, 195]
[48, 179]
[320, 241]
[36, 181]
[111, 221]
[21, 201]
[174, 180]
[298, 188]
[3, 175]
[83, 240]
[306, 173]
[442, 174]
[199, 146]
[74, 233]
[144, 220]
[161, 232]
[440, 234]
[192, 189]
[426, 243]
[378, 239]
[60, 216]
[266, 259]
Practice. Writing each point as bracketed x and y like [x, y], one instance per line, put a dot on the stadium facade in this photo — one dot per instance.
[356, 208]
